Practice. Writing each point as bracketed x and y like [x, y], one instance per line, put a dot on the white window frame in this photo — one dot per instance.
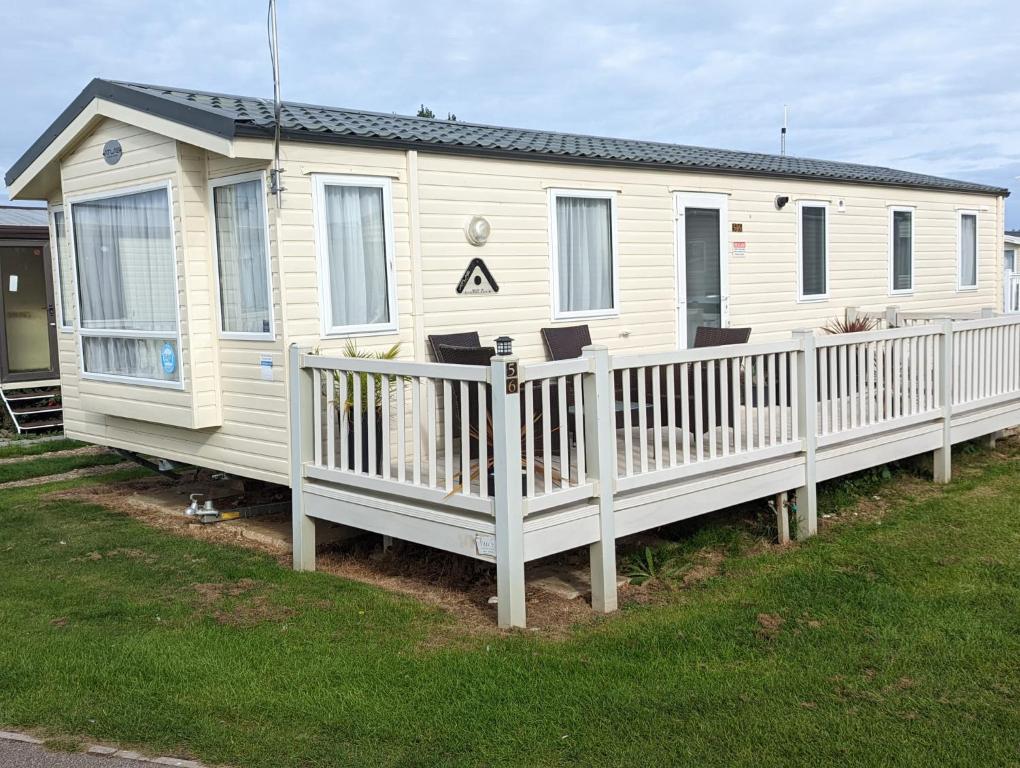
[58, 278]
[69, 203]
[554, 283]
[893, 210]
[320, 182]
[815, 297]
[960, 213]
[226, 181]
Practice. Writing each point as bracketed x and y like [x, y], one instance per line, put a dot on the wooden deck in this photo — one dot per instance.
[581, 452]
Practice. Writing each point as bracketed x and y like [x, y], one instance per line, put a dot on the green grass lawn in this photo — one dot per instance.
[53, 465]
[889, 640]
[29, 446]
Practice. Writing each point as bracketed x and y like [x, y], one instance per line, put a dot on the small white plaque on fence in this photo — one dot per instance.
[485, 545]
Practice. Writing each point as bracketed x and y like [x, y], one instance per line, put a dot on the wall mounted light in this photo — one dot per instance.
[504, 346]
[477, 231]
[781, 201]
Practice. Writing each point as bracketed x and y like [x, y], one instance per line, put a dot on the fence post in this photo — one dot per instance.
[506, 455]
[807, 422]
[600, 461]
[851, 314]
[301, 450]
[892, 317]
[987, 313]
[942, 459]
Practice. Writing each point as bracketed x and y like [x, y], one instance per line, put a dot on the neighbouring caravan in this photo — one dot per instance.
[174, 343]
[29, 376]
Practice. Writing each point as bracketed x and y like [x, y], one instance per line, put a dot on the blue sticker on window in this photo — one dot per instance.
[168, 358]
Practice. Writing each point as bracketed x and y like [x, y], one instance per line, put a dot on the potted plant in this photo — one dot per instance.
[858, 324]
[360, 419]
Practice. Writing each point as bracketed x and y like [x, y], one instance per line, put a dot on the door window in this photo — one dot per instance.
[702, 270]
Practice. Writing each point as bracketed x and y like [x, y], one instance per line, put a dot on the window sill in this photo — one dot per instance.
[905, 292]
[599, 315]
[224, 336]
[812, 299]
[966, 288]
[359, 332]
[108, 378]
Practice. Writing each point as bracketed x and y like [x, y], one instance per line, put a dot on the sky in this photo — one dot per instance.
[923, 86]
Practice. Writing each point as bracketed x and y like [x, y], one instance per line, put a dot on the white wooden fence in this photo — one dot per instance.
[514, 461]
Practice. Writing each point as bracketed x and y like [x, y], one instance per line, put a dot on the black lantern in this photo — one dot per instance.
[504, 346]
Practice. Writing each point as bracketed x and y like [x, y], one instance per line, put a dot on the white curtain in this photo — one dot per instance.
[137, 358]
[584, 253]
[64, 271]
[242, 255]
[358, 288]
[968, 250]
[125, 263]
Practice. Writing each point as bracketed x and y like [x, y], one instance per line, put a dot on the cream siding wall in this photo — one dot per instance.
[251, 438]
[763, 283]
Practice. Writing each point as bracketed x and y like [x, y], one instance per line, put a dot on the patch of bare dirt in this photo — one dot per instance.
[160, 501]
[769, 626]
[242, 603]
[460, 586]
[707, 564]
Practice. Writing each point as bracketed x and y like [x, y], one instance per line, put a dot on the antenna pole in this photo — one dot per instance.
[782, 133]
[276, 187]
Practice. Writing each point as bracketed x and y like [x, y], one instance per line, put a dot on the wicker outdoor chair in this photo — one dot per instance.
[463, 340]
[705, 336]
[566, 343]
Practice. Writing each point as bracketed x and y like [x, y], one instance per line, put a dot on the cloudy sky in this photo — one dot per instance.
[929, 86]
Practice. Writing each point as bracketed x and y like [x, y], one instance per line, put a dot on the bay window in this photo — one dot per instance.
[242, 257]
[127, 287]
[354, 229]
[583, 253]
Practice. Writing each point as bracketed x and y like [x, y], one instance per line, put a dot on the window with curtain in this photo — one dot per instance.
[813, 254]
[902, 237]
[64, 276]
[584, 255]
[127, 290]
[359, 290]
[968, 250]
[242, 256]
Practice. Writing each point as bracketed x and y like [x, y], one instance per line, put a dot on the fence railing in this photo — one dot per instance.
[877, 380]
[391, 425]
[436, 432]
[987, 361]
[680, 413]
[552, 444]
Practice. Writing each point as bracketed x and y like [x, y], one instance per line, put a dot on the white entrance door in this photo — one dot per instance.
[702, 255]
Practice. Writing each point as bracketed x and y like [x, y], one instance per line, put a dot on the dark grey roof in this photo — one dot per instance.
[1013, 232]
[22, 216]
[230, 116]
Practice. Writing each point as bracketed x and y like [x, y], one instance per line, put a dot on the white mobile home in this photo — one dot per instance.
[191, 281]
